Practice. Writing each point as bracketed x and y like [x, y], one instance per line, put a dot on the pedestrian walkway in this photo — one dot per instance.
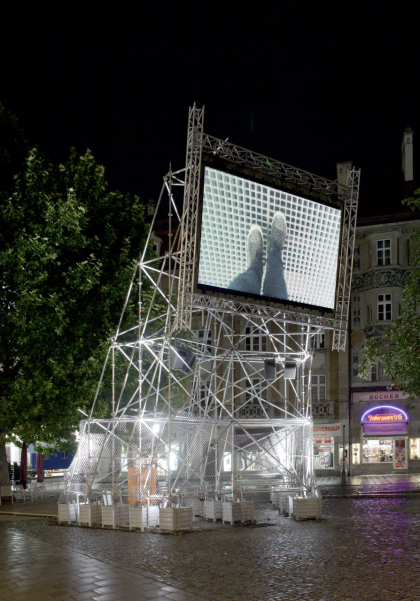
[40, 571]
[47, 508]
[360, 480]
[390, 484]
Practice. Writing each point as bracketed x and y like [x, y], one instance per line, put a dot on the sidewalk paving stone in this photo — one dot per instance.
[365, 549]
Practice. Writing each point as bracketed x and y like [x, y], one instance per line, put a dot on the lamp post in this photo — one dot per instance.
[343, 471]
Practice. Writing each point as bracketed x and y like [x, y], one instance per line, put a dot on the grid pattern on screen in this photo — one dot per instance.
[232, 205]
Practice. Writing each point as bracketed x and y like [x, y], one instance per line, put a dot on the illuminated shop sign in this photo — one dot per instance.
[394, 417]
[384, 419]
[384, 413]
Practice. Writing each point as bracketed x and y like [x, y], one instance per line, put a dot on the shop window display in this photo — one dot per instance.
[356, 453]
[378, 451]
[346, 451]
[414, 448]
[400, 454]
[323, 453]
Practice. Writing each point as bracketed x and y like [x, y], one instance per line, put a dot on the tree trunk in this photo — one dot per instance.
[4, 466]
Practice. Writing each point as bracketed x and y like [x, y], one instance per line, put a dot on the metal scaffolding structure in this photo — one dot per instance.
[210, 397]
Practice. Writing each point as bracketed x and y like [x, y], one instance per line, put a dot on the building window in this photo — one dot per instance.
[204, 396]
[255, 340]
[64, 455]
[318, 340]
[46, 456]
[157, 245]
[355, 366]
[254, 392]
[356, 260]
[414, 448]
[318, 386]
[206, 340]
[383, 249]
[384, 307]
[356, 453]
[412, 248]
[374, 372]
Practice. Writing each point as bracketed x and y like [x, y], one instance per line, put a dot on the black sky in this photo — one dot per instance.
[310, 83]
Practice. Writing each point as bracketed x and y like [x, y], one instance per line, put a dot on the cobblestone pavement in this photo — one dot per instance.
[364, 549]
[34, 569]
[370, 488]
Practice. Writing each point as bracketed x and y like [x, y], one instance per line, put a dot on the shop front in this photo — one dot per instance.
[383, 440]
[328, 448]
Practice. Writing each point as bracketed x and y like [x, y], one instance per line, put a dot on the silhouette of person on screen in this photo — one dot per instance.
[251, 279]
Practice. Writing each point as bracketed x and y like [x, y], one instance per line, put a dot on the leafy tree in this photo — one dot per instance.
[68, 246]
[399, 348]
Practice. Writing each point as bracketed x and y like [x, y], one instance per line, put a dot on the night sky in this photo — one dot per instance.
[309, 83]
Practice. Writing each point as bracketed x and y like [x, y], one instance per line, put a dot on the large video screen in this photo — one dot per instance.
[260, 240]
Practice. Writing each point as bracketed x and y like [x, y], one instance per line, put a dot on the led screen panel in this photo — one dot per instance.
[260, 240]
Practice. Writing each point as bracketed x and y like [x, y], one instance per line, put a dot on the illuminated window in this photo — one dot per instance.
[378, 451]
[383, 250]
[319, 388]
[414, 448]
[344, 458]
[356, 453]
[255, 340]
[384, 307]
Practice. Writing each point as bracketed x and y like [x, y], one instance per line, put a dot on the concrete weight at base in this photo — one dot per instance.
[115, 516]
[90, 514]
[213, 510]
[305, 508]
[239, 511]
[175, 518]
[67, 513]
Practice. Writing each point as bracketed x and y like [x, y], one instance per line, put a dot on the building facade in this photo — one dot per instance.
[381, 428]
[389, 442]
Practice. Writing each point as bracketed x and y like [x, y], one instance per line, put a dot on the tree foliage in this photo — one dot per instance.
[68, 246]
[399, 348]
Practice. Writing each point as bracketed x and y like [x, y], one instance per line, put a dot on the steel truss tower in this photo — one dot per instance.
[210, 396]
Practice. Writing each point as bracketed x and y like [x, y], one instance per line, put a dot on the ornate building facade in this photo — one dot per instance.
[382, 430]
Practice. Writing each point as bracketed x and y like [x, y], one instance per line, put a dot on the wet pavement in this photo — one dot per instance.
[364, 549]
